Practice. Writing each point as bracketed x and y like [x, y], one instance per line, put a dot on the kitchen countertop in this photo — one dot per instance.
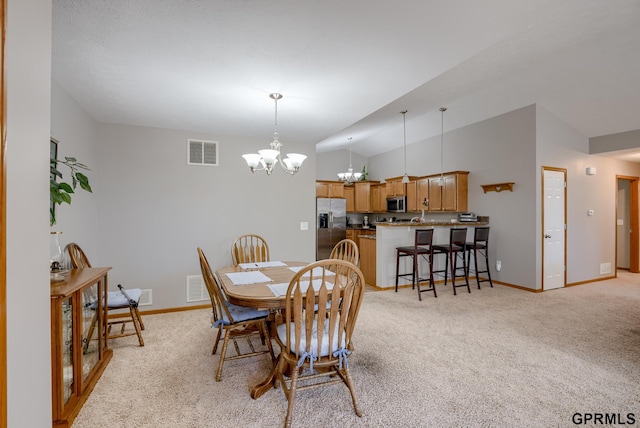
[432, 223]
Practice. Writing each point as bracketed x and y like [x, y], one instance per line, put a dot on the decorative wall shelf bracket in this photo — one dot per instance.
[497, 187]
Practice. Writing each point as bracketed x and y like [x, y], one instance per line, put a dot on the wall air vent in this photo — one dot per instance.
[200, 152]
[146, 299]
[196, 290]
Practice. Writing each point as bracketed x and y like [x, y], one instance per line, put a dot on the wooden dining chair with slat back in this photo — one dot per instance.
[321, 307]
[122, 299]
[249, 248]
[346, 250]
[235, 321]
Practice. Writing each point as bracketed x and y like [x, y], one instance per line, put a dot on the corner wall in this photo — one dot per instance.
[28, 67]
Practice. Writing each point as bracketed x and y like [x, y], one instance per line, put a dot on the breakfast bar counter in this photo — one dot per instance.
[398, 234]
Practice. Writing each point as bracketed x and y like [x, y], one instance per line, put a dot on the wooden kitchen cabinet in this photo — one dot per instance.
[350, 196]
[378, 198]
[452, 195]
[329, 189]
[395, 186]
[367, 250]
[362, 196]
[79, 348]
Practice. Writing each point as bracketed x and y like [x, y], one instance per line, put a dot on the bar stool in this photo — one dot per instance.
[421, 247]
[480, 245]
[456, 249]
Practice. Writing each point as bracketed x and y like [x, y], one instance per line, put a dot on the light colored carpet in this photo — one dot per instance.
[497, 357]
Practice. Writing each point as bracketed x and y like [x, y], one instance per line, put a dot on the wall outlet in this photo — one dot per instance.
[498, 265]
[304, 225]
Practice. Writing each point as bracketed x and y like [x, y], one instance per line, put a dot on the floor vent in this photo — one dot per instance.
[200, 152]
[146, 298]
[196, 290]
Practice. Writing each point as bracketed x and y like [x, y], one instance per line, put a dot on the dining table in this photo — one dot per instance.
[261, 285]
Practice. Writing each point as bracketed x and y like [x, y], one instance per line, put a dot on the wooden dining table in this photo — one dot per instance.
[258, 295]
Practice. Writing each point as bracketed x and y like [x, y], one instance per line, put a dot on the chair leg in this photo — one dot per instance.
[486, 260]
[416, 272]
[349, 382]
[292, 395]
[264, 332]
[223, 352]
[135, 316]
[397, 267]
[452, 266]
[140, 319]
[215, 344]
[475, 262]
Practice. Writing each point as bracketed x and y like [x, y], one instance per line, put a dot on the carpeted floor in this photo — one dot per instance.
[498, 357]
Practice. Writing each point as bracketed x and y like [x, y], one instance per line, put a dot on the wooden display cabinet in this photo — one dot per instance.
[79, 348]
[329, 189]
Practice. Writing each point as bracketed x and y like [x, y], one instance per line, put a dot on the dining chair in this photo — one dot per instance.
[346, 250]
[320, 311]
[236, 322]
[249, 248]
[122, 299]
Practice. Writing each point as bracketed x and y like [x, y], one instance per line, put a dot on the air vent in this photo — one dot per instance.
[196, 290]
[201, 152]
[146, 298]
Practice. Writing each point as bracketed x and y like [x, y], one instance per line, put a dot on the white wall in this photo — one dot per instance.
[329, 164]
[155, 210]
[77, 135]
[28, 66]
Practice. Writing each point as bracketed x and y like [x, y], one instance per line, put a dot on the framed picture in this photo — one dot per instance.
[53, 153]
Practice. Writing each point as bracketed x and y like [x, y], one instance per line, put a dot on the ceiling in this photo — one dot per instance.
[347, 68]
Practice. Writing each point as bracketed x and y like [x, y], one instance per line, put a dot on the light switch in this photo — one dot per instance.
[304, 225]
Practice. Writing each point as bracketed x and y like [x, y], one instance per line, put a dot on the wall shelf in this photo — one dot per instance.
[497, 187]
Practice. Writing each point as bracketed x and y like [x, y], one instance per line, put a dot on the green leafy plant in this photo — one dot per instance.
[60, 191]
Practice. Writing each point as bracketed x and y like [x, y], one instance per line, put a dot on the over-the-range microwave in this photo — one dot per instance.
[397, 204]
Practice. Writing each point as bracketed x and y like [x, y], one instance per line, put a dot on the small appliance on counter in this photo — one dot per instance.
[470, 217]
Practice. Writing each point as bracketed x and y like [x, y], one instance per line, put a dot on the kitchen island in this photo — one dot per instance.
[399, 234]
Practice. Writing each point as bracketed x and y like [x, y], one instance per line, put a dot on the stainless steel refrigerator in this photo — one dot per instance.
[331, 225]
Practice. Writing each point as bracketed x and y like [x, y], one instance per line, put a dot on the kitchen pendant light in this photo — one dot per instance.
[269, 157]
[441, 180]
[405, 177]
[349, 176]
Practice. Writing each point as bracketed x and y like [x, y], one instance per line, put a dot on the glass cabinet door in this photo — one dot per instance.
[67, 349]
[91, 320]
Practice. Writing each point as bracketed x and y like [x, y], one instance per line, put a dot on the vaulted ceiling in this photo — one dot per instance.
[346, 68]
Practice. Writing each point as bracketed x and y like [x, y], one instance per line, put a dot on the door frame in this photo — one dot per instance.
[3, 223]
[634, 223]
[564, 171]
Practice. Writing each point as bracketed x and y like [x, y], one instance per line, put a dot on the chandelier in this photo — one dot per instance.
[268, 158]
[349, 176]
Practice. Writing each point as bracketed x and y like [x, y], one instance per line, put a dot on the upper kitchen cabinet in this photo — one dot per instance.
[452, 195]
[378, 198]
[362, 196]
[417, 194]
[350, 196]
[329, 189]
[395, 186]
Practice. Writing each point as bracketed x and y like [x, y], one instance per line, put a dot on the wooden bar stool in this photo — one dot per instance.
[480, 245]
[421, 247]
[456, 249]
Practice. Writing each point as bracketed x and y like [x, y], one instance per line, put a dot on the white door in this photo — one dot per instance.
[553, 223]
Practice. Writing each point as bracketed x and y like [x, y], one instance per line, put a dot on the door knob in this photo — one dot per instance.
[547, 236]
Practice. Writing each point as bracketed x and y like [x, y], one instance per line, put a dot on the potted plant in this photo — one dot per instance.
[60, 191]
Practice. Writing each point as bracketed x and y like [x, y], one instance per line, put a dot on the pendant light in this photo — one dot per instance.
[441, 180]
[267, 158]
[405, 177]
[349, 176]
